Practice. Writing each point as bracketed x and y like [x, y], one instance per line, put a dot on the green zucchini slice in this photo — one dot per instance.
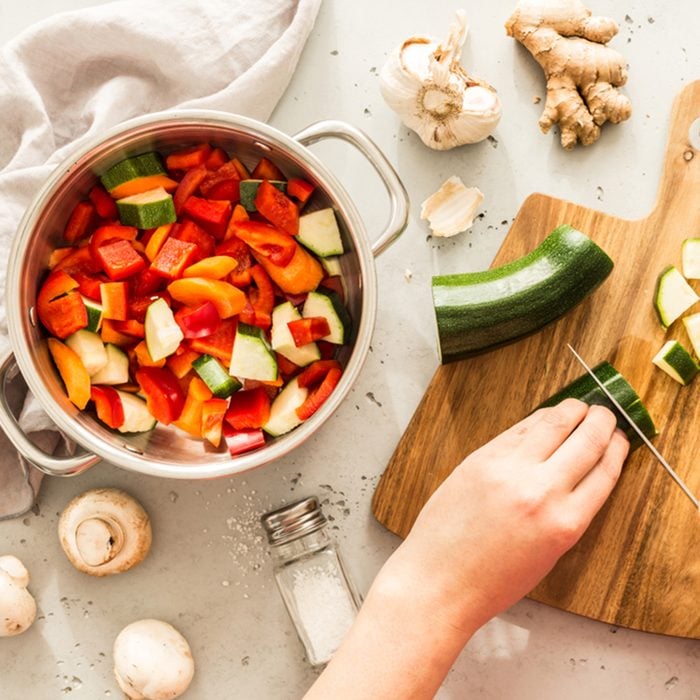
[585, 389]
[674, 296]
[479, 311]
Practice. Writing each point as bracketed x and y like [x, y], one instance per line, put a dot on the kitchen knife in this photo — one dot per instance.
[638, 430]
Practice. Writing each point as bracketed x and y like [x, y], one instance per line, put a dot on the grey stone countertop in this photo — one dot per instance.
[209, 573]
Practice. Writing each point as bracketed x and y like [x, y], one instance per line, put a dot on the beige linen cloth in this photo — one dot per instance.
[78, 73]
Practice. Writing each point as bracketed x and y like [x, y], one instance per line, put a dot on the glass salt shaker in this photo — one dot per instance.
[311, 577]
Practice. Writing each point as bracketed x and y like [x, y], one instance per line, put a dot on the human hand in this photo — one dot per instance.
[501, 520]
[483, 540]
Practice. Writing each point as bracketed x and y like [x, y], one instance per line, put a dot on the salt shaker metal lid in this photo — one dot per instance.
[293, 521]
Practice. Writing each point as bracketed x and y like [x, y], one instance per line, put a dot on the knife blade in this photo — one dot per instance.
[638, 430]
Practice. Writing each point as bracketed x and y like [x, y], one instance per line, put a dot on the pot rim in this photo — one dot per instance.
[129, 457]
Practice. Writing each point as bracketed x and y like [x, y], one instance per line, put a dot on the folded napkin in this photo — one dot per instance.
[78, 73]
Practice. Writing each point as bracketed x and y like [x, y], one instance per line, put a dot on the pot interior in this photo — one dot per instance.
[167, 445]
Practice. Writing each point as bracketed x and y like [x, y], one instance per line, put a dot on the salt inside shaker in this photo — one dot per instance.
[311, 577]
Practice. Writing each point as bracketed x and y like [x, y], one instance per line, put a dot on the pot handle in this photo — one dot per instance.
[398, 197]
[55, 466]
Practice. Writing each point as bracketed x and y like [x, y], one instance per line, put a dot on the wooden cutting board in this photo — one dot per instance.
[638, 565]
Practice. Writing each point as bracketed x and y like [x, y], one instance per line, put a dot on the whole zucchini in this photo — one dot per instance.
[477, 311]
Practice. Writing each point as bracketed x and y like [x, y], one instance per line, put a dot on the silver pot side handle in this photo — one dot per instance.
[55, 466]
[398, 197]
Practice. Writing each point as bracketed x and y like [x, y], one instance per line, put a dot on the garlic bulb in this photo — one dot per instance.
[451, 209]
[425, 84]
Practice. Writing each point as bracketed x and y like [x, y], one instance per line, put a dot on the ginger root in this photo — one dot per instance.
[582, 73]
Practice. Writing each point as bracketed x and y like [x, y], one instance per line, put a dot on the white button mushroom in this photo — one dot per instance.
[152, 661]
[104, 531]
[17, 606]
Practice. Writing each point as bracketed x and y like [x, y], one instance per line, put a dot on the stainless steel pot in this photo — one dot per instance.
[166, 451]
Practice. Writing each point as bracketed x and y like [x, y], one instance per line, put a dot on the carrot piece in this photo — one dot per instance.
[193, 291]
[302, 273]
[72, 371]
[110, 334]
[104, 204]
[181, 363]
[143, 357]
[155, 242]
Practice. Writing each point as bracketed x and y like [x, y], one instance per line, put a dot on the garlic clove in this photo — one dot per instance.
[425, 84]
[452, 208]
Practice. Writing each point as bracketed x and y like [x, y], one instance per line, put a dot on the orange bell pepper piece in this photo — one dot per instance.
[181, 362]
[143, 184]
[214, 268]
[143, 357]
[190, 419]
[73, 373]
[155, 242]
[193, 291]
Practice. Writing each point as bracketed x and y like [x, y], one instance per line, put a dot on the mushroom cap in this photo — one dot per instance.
[104, 532]
[152, 661]
[17, 606]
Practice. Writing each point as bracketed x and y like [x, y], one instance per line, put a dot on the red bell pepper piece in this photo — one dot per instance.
[308, 330]
[146, 283]
[248, 409]
[261, 299]
[286, 367]
[187, 158]
[164, 397]
[137, 305]
[211, 214]
[130, 327]
[173, 258]
[113, 296]
[216, 159]
[220, 343]
[105, 206]
[79, 222]
[213, 412]
[277, 208]
[267, 170]
[109, 234]
[326, 349]
[239, 251]
[89, 285]
[335, 284]
[119, 260]
[79, 260]
[189, 185]
[227, 173]
[239, 441]
[319, 395]
[198, 322]
[59, 306]
[300, 189]
[189, 232]
[267, 241]
[316, 372]
[229, 190]
[108, 405]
